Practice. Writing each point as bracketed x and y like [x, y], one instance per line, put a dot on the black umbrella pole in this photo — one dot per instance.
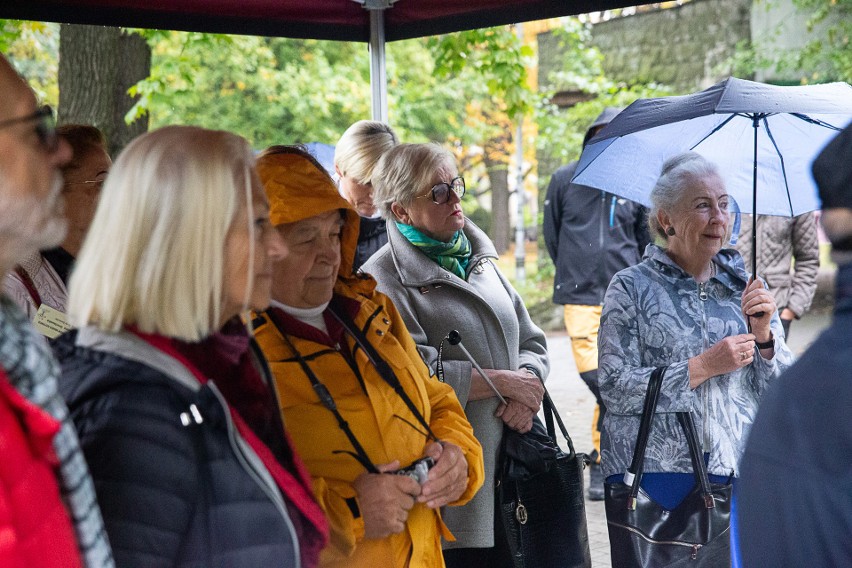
[756, 125]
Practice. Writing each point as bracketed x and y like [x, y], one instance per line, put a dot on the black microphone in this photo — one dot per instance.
[454, 338]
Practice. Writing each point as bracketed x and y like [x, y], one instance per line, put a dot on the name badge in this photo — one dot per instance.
[50, 322]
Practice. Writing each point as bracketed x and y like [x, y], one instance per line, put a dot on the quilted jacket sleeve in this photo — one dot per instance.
[806, 267]
[143, 466]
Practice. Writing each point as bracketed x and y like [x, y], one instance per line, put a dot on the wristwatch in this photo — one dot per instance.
[768, 344]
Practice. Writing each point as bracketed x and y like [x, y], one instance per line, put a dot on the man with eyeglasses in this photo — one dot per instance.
[39, 281]
[48, 513]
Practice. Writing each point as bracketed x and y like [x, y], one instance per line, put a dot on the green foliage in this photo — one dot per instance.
[561, 132]
[33, 48]
[498, 58]
[826, 58]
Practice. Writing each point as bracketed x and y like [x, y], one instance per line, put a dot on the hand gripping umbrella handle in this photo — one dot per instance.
[454, 338]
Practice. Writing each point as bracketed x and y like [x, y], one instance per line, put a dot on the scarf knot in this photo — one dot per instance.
[453, 256]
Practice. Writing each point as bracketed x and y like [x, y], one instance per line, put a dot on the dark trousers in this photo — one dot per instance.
[591, 380]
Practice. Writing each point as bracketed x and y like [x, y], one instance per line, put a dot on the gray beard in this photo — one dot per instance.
[31, 224]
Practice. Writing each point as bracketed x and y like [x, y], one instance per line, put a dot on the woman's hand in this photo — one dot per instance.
[729, 354]
[385, 500]
[516, 416]
[447, 479]
[522, 386]
[757, 299]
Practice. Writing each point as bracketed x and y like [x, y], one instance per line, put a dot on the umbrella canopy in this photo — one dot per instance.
[762, 137]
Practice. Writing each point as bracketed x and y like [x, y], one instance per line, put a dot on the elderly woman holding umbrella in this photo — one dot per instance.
[690, 306]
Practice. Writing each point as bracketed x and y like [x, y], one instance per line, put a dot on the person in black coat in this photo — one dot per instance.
[172, 402]
[590, 235]
[355, 155]
[795, 502]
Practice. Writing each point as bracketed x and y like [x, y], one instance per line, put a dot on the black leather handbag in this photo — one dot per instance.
[540, 497]
[643, 534]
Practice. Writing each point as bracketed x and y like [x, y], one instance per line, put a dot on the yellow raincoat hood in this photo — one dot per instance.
[297, 189]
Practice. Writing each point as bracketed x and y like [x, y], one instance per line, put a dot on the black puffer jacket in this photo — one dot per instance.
[177, 485]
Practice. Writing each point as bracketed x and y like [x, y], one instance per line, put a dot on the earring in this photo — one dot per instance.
[670, 231]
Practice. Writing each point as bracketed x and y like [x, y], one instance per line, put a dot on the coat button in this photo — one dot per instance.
[379, 332]
[386, 321]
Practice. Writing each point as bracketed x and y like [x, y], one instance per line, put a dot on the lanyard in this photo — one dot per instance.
[29, 285]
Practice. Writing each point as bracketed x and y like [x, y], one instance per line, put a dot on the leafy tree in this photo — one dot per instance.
[32, 48]
[827, 57]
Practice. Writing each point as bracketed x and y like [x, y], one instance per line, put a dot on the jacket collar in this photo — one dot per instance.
[415, 269]
[129, 346]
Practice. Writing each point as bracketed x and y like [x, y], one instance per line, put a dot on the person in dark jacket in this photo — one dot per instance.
[172, 401]
[795, 505]
[590, 235]
[356, 154]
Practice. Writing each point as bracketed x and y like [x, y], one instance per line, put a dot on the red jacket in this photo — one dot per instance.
[35, 529]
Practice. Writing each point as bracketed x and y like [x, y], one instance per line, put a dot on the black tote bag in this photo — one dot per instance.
[643, 534]
[540, 497]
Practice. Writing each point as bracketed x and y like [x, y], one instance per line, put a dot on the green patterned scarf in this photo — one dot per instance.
[453, 256]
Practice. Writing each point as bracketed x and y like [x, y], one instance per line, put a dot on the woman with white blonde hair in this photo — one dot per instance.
[355, 157]
[172, 399]
[439, 270]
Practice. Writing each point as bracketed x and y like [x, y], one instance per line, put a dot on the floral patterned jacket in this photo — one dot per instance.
[653, 316]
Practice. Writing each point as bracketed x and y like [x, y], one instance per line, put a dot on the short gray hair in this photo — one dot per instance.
[677, 174]
[155, 253]
[360, 148]
[406, 170]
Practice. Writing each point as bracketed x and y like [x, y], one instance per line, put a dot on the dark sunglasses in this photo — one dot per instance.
[45, 127]
[440, 192]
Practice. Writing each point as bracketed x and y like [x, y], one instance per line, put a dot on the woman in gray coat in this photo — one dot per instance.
[438, 269]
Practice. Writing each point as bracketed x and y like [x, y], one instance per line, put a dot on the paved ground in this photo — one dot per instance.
[575, 404]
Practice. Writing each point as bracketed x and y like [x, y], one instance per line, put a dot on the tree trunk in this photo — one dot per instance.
[96, 67]
[498, 176]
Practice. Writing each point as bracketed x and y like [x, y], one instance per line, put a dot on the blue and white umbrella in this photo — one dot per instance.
[762, 137]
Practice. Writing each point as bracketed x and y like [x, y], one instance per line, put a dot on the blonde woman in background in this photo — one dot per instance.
[355, 156]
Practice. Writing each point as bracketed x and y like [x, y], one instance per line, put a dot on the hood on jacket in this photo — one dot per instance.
[298, 188]
[603, 119]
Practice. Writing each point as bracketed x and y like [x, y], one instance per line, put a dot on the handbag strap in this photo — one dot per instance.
[633, 476]
[688, 425]
[550, 414]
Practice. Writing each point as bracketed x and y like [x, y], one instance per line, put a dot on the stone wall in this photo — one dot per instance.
[686, 47]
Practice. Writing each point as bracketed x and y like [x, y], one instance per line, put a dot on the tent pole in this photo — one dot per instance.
[378, 74]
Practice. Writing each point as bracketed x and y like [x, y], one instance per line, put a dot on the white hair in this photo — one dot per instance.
[404, 171]
[677, 174]
[154, 255]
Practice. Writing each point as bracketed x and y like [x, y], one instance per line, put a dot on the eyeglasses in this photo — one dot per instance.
[45, 129]
[440, 192]
[96, 184]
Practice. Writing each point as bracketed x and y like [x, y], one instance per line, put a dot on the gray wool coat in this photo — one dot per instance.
[495, 328]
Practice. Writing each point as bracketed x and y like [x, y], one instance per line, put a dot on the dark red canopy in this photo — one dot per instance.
[321, 19]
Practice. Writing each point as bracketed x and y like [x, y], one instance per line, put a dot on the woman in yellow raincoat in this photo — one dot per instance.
[357, 399]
